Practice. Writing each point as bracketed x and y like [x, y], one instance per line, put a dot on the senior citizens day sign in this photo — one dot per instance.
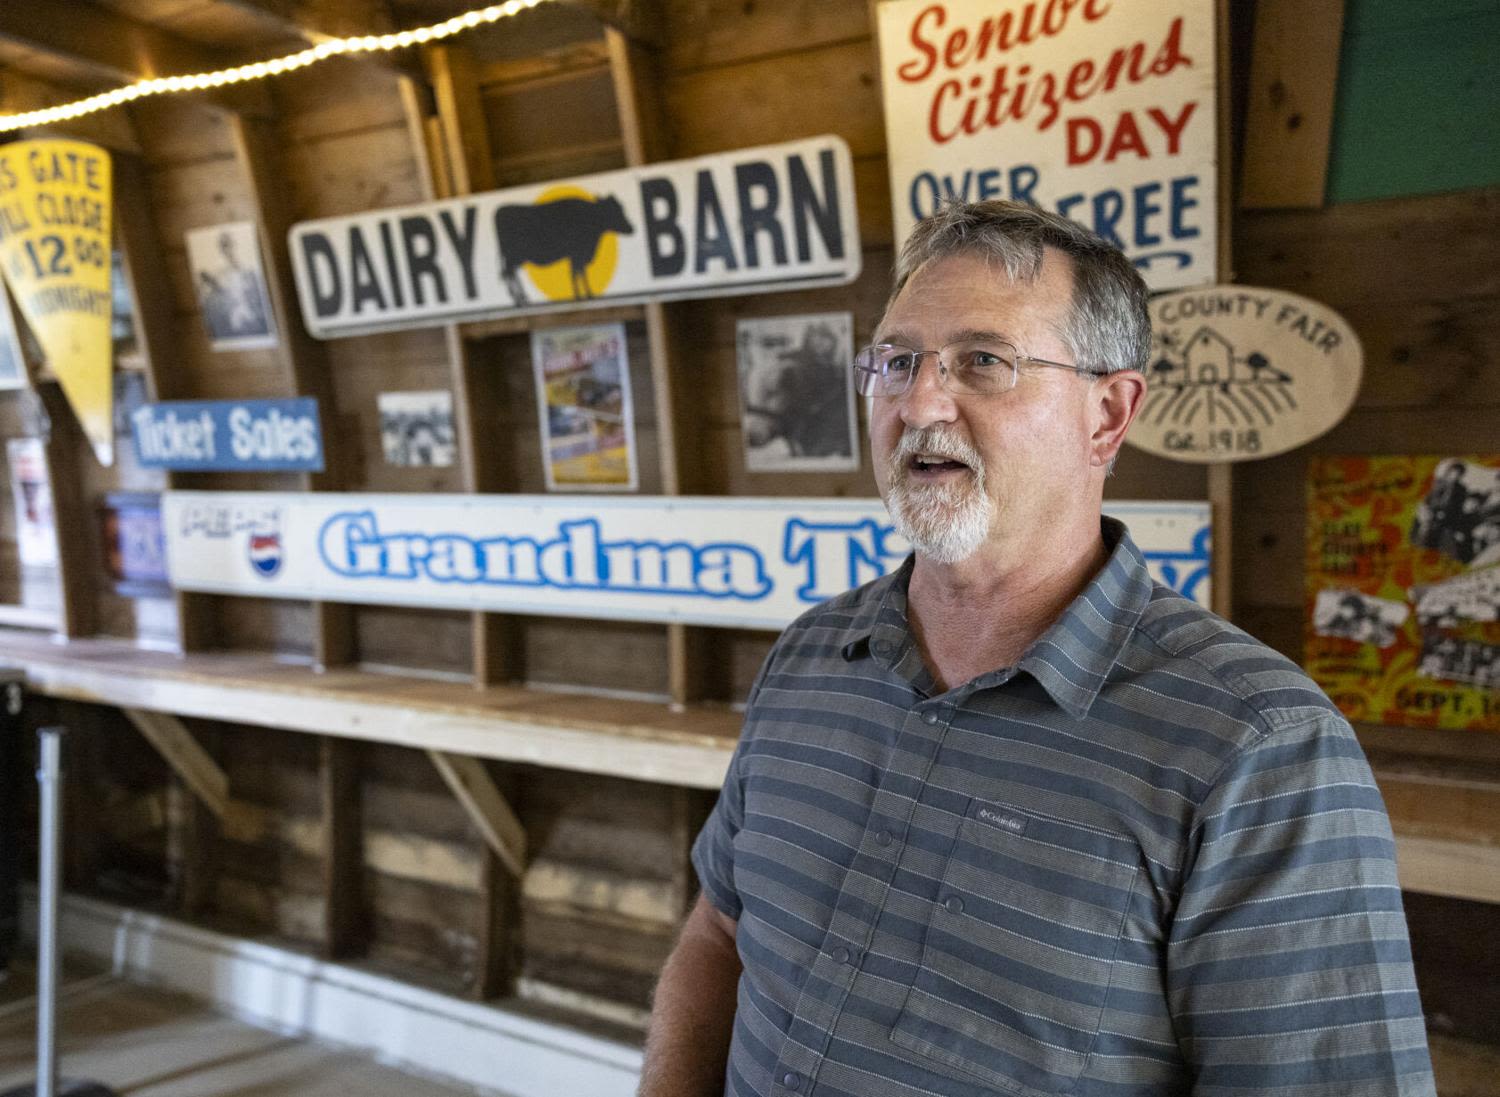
[1101, 110]
[780, 217]
[1239, 372]
[750, 563]
[55, 252]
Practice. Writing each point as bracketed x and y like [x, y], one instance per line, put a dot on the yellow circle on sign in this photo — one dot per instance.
[555, 280]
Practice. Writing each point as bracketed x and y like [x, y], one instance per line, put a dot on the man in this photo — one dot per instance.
[1015, 819]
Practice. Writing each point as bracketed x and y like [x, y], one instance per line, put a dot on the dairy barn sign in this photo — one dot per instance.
[757, 220]
[1100, 110]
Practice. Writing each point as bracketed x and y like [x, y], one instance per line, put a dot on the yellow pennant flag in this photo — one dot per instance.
[54, 250]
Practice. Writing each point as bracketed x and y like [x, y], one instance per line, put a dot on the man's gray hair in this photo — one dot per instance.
[1108, 327]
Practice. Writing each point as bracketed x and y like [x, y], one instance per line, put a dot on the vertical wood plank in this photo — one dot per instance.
[633, 69]
[73, 525]
[1221, 476]
[155, 331]
[1294, 70]
[344, 922]
[302, 358]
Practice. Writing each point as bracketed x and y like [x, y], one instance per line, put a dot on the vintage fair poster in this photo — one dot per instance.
[1102, 112]
[31, 493]
[55, 253]
[583, 398]
[1403, 588]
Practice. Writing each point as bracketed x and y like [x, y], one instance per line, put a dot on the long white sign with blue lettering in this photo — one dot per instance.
[749, 563]
[229, 435]
[756, 220]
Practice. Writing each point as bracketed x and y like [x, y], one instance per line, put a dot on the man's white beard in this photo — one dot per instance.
[944, 522]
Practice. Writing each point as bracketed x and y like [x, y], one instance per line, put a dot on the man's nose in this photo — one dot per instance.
[927, 401]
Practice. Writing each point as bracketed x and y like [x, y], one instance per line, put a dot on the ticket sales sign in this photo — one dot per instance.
[229, 435]
[1101, 110]
[734, 562]
[780, 217]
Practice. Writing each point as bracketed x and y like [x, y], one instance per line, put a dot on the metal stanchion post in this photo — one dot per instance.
[49, 887]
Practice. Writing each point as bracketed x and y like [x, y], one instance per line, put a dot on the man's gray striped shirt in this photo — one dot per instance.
[1147, 859]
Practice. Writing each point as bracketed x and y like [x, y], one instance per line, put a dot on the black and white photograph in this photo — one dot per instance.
[1460, 516]
[1356, 616]
[1472, 596]
[230, 282]
[416, 428]
[797, 393]
[1448, 657]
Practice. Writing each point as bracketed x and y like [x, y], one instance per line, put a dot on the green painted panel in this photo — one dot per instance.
[1418, 107]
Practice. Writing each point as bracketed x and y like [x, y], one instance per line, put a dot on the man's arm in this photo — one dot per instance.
[693, 1012]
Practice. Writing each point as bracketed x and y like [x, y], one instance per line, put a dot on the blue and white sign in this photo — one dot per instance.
[229, 435]
[734, 562]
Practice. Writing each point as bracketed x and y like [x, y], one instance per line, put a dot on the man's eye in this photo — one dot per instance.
[982, 360]
[899, 363]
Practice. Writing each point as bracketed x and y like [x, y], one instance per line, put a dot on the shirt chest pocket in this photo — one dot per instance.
[1019, 953]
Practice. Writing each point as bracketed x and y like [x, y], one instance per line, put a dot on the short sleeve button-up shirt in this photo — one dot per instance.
[1149, 858]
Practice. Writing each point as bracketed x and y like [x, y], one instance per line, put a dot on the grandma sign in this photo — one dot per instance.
[1101, 110]
[747, 563]
[752, 221]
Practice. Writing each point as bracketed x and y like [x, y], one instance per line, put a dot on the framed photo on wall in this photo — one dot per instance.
[797, 393]
[583, 399]
[416, 428]
[230, 282]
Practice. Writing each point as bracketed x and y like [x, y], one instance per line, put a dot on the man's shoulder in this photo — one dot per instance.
[1213, 661]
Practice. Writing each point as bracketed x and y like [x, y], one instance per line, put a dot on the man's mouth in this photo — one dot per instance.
[932, 464]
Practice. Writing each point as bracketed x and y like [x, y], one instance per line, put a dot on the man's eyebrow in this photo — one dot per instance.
[965, 335]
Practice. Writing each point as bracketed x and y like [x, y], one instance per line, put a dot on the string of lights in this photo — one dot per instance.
[331, 47]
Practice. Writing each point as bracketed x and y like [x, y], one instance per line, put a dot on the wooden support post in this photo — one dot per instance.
[155, 329]
[488, 810]
[302, 357]
[637, 100]
[344, 922]
[1221, 476]
[175, 743]
[454, 157]
[500, 913]
[73, 524]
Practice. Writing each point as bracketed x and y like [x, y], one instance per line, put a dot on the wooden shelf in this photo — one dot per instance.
[621, 738]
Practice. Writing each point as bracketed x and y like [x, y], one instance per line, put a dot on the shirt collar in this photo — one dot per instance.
[1071, 660]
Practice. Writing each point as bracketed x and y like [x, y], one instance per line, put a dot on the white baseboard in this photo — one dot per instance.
[405, 1026]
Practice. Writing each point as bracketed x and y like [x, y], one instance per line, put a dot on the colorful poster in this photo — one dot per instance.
[135, 551]
[583, 398]
[231, 286]
[729, 561]
[1403, 588]
[31, 491]
[229, 435]
[416, 428]
[55, 203]
[756, 220]
[1239, 372]
[797, 393]
[1102, 112]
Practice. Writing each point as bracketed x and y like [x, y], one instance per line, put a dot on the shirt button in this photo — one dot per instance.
[840, 955]
[792, 1082]
[882, 647]
[931, 717]
[954, 905]
[884, 838]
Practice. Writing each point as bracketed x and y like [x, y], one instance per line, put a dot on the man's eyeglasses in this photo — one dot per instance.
[971, 367]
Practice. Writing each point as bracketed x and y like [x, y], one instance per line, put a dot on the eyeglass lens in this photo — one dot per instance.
[975, 368]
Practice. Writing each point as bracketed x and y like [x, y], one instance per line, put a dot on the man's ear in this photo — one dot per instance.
[1115, 400]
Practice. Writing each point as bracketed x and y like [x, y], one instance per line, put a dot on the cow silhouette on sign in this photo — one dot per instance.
[569, 228]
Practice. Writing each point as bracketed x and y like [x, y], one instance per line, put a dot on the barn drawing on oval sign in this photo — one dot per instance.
[566, 224]
[1204, 378]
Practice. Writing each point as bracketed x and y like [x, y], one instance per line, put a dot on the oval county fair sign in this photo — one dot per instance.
[1100, 110]
[733, 562]
[781, 217]
[1238, 372]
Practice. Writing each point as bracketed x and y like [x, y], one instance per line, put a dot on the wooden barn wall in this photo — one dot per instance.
[601, 901]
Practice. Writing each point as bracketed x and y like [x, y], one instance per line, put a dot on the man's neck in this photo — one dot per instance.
[982, 613]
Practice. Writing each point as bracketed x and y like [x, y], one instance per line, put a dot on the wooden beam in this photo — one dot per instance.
[303, 360]
[471, 783]
[345, 930]
[175, 743]
[1294, 71]
[104, 46]
[74, 524]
